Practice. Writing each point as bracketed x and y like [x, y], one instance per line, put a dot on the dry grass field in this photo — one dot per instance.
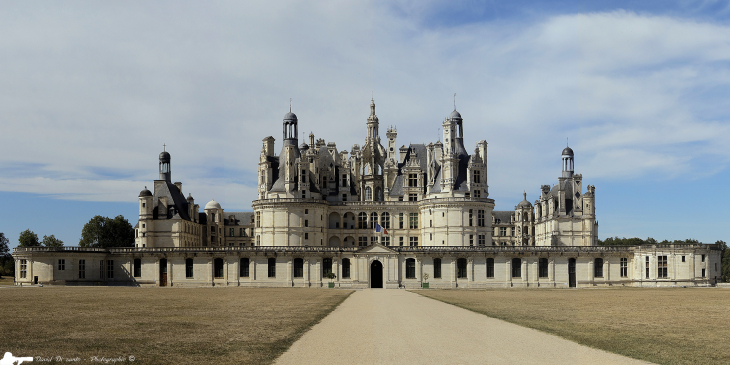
[666, 326]
[160, 325]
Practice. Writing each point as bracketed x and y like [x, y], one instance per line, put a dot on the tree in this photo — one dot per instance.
[106, 232]
[725, 263]
[52, 241]
[7, 265]
[4, 248]
[28, 239]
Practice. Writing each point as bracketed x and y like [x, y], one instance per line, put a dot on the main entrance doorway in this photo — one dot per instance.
[376, 274]
[571, 273]
[163, 272]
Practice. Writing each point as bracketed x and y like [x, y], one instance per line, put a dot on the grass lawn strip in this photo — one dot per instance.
[666, 326]
[161, 325]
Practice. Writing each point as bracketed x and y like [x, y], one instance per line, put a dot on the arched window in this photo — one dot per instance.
[461, 268]
[298, 268]
[346, 268]
[385, 220]
[516, 268]
[490, 267]
[362, 220]
[598, 268]
[410, 268]
[368, 194]
[218, 268]
[373, 219]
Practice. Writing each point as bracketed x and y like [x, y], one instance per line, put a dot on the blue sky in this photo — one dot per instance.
[91, 91]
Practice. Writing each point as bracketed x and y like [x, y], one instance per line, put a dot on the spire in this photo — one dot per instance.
[372, 107]
[454, 101]
[524, 195]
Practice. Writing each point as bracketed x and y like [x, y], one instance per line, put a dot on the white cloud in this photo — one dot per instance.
[90, 89]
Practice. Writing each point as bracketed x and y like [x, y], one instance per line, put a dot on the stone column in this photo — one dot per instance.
[607, 270]
[470, 269]
[307, 278]
[419, 276]
[289, 273]
[524, 270]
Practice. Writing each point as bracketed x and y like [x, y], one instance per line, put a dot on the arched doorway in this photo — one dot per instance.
[334, 241]
[571, 273]
[376, 274]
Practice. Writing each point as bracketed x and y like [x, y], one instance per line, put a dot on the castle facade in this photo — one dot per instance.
[376, 216]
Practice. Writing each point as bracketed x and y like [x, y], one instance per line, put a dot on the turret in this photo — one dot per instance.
[145, 218]
[165, 166]
[568, 162]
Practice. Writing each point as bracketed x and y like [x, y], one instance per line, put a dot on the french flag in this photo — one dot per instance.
[380, 229]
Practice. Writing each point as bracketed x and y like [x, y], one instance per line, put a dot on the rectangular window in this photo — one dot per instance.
[110, 269]
[471, 240]
[258, 240]
[482, 240]
[477, 193]
[477, 177]
[682, 258]
[346, 268]
[661, 267]
[344, 197]
[61, 264]
[490, 267]
[306, 236]
[703, 273]
[598, 268]
[624, 265]
[543, 268]
[400, 240]
[385, 241]
[137, 268]
[703, 260]
[272, 267]
[326, 266]
[461, 268]
[410, 268]
[373, 240]
[23, 268]
[503, 231]
[344, 181]
[306, 223]
[471, 222]
[82, 269]
[258, 219]
[412, 180]
[362, 241]
[306, 211]
[231, 232]
[647, 267]
[430, 236]
[243, 267]
[413, 241]
[437, 268]
[480, 218]
[412, 197]
[189, 268]
[400, 220]
[413, 220]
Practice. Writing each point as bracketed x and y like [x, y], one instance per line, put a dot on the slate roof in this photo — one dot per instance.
[240, 218]
[174, 198]
[504, 216]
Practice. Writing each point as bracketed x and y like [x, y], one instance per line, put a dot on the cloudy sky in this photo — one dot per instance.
[91, 91]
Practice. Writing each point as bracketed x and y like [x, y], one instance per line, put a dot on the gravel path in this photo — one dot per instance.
[379, 326]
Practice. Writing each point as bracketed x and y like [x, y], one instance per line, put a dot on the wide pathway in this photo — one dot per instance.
[378, 326]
